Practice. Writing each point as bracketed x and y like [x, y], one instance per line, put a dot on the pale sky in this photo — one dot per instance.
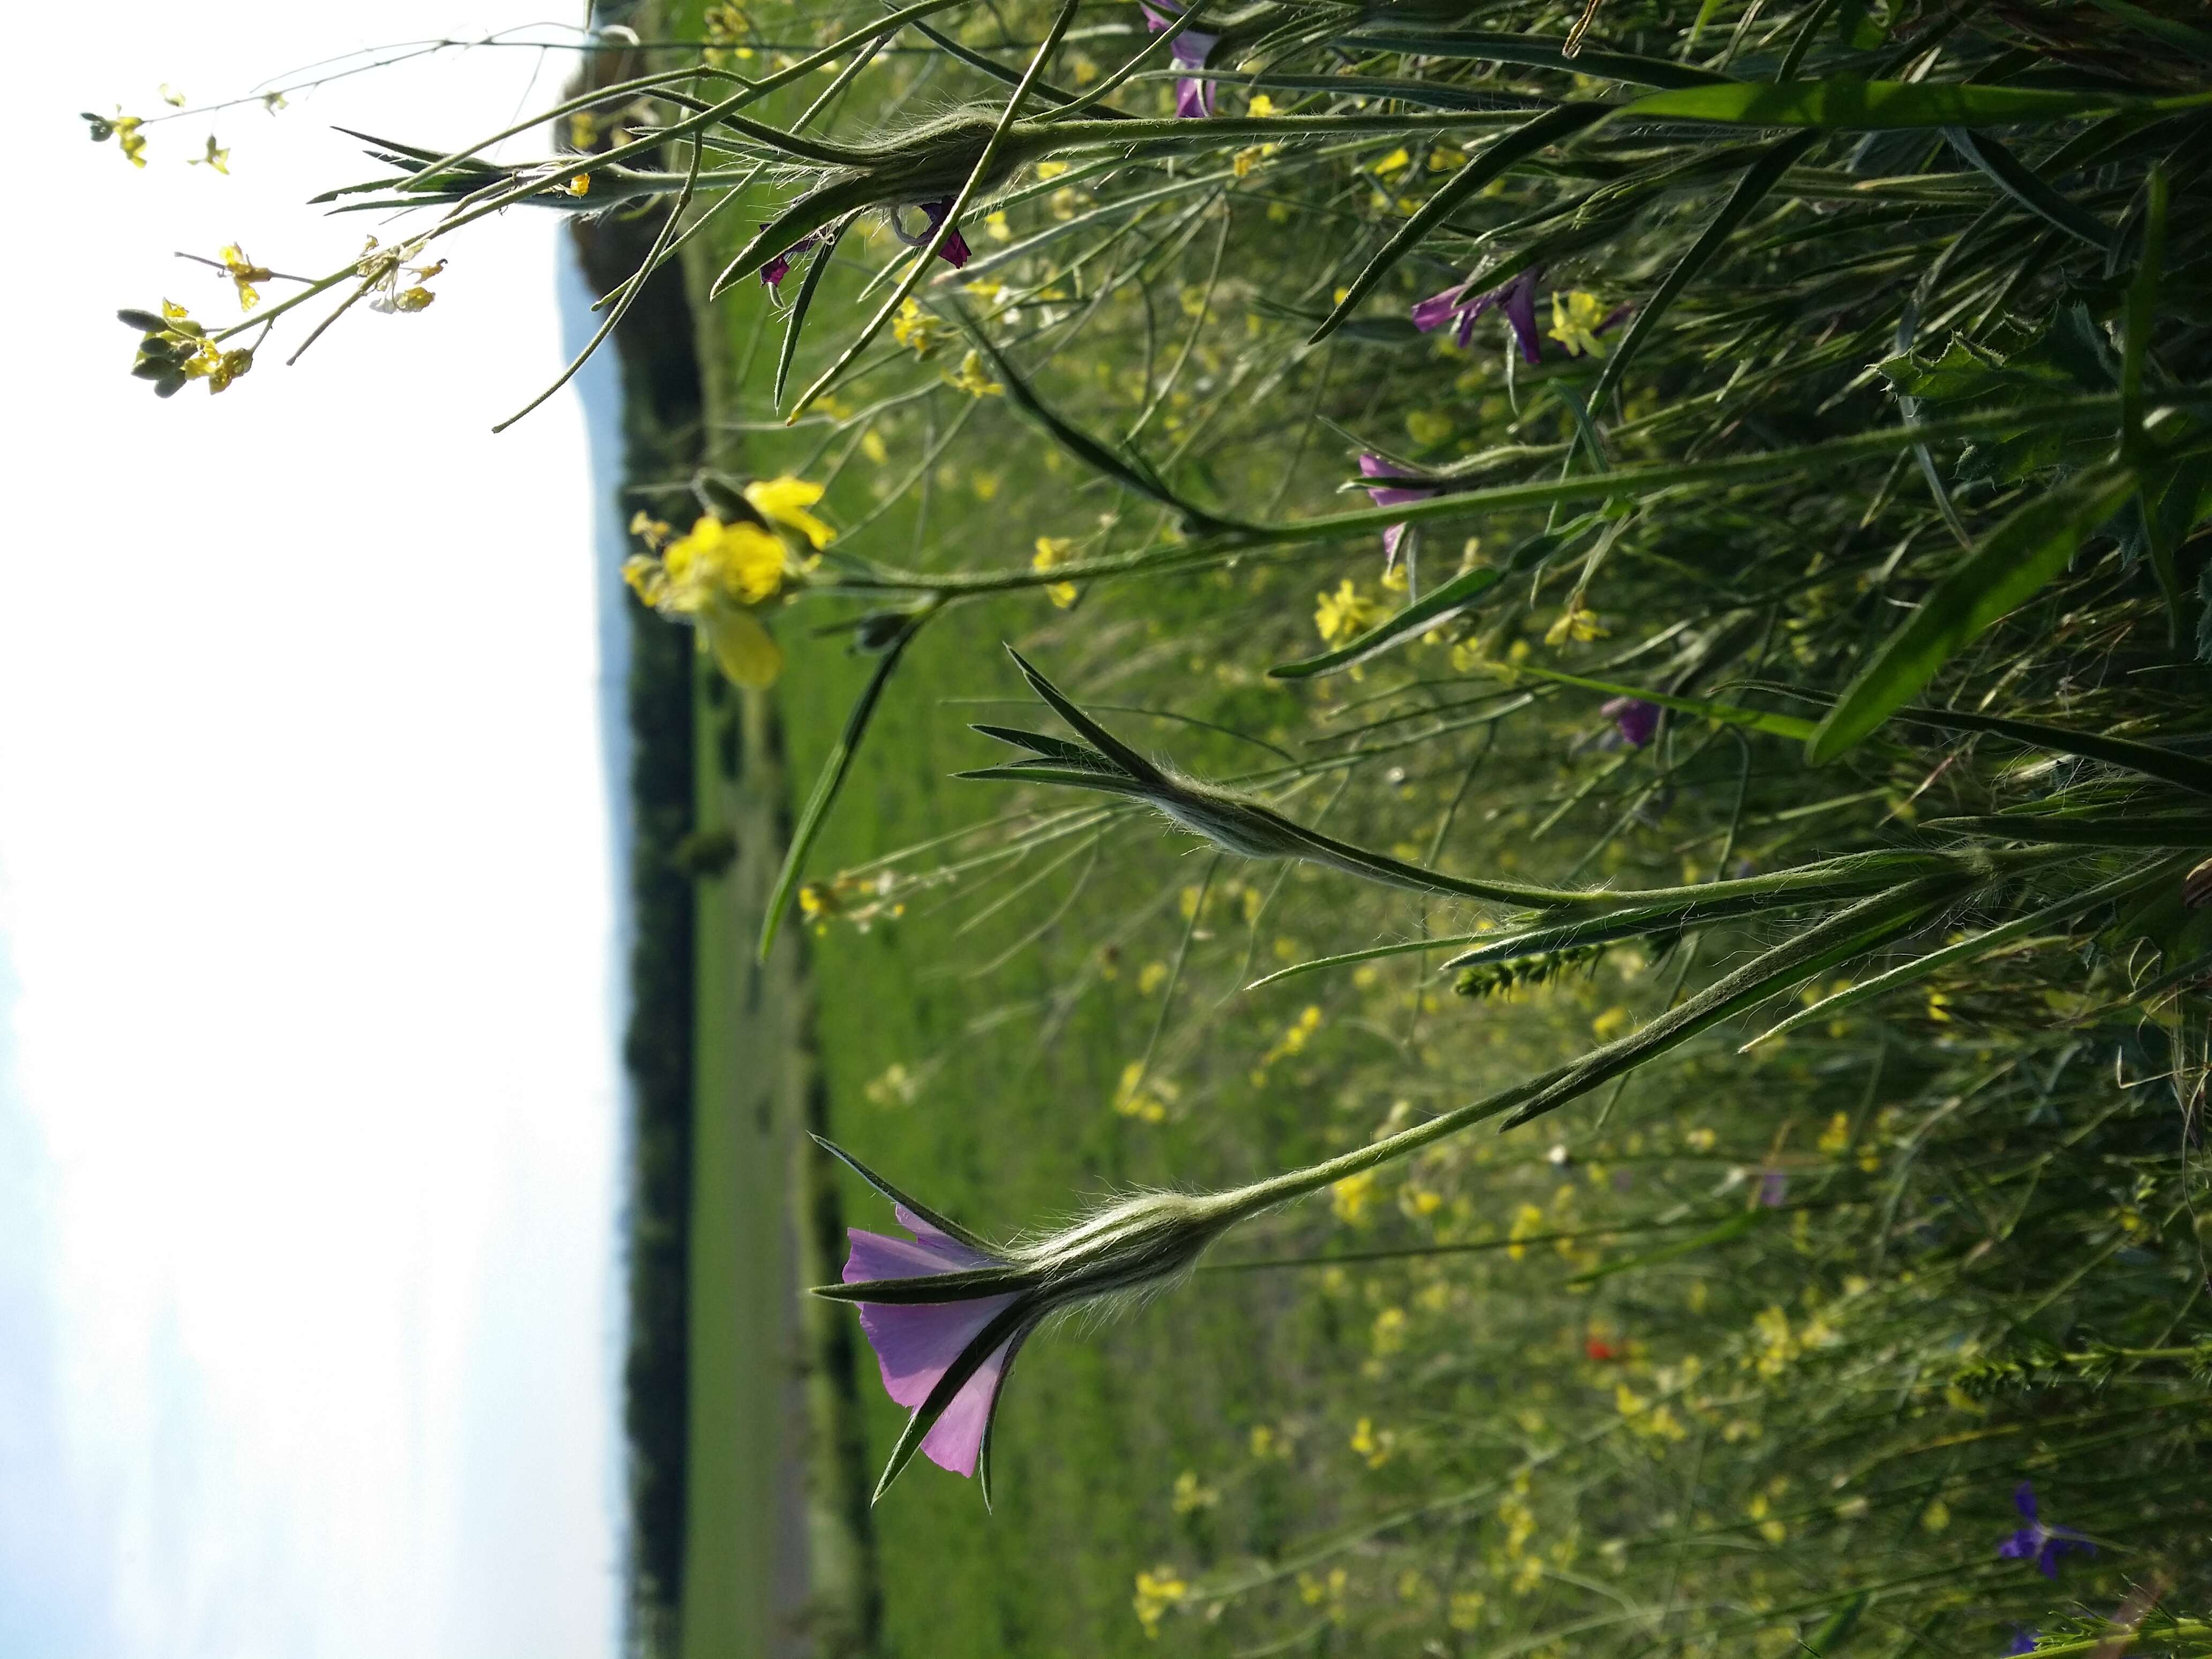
[309, 1128]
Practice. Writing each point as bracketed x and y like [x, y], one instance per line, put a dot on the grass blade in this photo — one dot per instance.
[1968, 949]
[833, 770]
[2014, 560]
[1750, 190]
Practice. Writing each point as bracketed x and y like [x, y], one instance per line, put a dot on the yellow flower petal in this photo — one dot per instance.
[784, 500]
[743, 650]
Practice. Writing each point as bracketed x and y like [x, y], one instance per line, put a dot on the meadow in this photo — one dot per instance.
[1606, 775]
[1758, 1349]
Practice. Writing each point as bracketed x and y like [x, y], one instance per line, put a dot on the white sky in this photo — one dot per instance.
[308, 1106]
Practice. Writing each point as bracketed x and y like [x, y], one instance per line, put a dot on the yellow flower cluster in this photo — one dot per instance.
[244, 273]
[720, 576]
[1346, 614]
[1574, 319]
[1052, 552]
[1157, 1591]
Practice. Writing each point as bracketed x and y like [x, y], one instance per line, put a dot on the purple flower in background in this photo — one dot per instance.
[2037, 1542]
[2023, 1641]
[1374, 466]
[1194, 97]
[917, 1342]
[946, 1314]
[954, 252]
[1637, 720]
[1773, 1188]
[773, 273]
[1516, 298]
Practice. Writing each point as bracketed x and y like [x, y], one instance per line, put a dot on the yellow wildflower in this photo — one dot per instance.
[1575, 624]
[1191, 1495]
[1261, 105]
[131, 141]
[1350, 1198]
[217, 157]
[1576, 318]
[1389, 1331]
[784, 501]
[244, 273]
[1375, 1446]
[1466, 1609]
[1936, 1515]
[918, 330]
[1151, 977]
[1527, 1222]
[1837, 1135]
[1157, 1591]
[716, 577]
[970, 377]
[1346, 614]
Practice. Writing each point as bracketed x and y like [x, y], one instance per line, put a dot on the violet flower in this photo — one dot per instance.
[1773, 1188]
[916, 1343]
[1637, 720]
[1516, 297]
[954, 250]
[2037, 1542]
[946, 1313]
[2023, 1641]
[773, 273]
[1194, 97]
[1374, 466]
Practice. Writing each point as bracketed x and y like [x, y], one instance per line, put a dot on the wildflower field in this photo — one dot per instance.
[1562, 1010]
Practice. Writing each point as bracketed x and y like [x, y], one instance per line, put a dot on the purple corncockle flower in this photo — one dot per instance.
[1194, 97]
[946, 1313]
[1516, 297]
[2023, 1641]
[916, 1343]
[1637, 720]
[2037, 1542]
[773, 273]
[954, 250]
[1374, 466]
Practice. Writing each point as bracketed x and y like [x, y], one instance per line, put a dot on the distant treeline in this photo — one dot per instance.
[660, 428]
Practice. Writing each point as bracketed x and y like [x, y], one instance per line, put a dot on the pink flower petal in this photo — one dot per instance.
[916, 1342]
[955, 1439]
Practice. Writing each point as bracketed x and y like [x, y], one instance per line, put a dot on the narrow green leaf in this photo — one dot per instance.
[1752, 720]
[1128, 470]
[1835, 1628]
[1536, 52]
[2188, 771]
[833, 769]
[1403, 947]
[2083, 829]
[1460, 189]
[2172, 31]
[1099, 737]
[2011, 175]
[816, 269]
[1828, 943]
[1750, 190]
[1879, 105]
[948, 1228]
[1968, 950]
[2013, 563]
